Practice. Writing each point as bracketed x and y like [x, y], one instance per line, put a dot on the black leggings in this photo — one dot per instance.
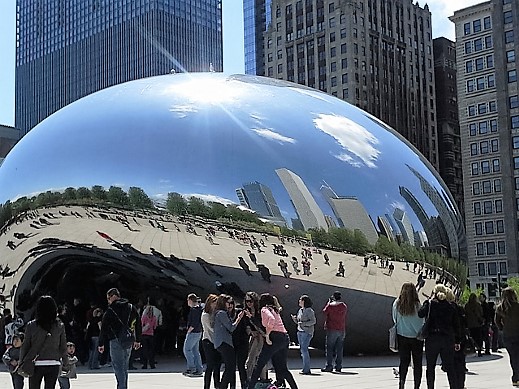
[213, 362]
[229, 359]
[47, 373]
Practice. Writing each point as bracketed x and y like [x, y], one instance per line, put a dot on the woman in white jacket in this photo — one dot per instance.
[305, 320]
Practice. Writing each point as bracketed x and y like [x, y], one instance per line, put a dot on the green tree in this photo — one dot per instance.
[360, 244]
[69, 194]
[176, 204]
[83, 193]
[138, 198]
[99, 193]
[117, 196]
[217, 210]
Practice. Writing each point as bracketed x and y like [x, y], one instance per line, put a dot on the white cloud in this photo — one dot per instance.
[440, 12]
[209, 197]
[357, 142]
[269, 134]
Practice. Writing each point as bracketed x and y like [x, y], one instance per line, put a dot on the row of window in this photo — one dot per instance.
[483, 127]
[488, 207]
[481, 83]
[478, 44]
[486, 186]
[483, 167]
[484, 147]
[489, 227]
[492, 268]
[490, 248]
[476, 26]
[479, 63]
[482, 108]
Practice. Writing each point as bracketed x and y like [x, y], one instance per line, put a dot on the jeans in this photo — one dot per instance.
[17, 381]
[443, 345]
[212, 364]
[410, 348]
[255, 347]
[192, 351]
[334, 349]
[148, 350]
[93, 356]
[64, 382]
[512, 346]
[278, 353]
[120, 361]
[304, 339]
[47, 373]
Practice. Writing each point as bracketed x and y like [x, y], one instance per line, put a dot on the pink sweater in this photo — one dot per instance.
[271, 320]
[149, 323]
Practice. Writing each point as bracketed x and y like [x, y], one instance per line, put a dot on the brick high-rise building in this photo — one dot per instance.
[487, 37]
[376, 55]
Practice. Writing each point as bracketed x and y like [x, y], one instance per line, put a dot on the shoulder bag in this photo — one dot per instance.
[424, 331]
[26, 367]
[393, 338]
[125, 337]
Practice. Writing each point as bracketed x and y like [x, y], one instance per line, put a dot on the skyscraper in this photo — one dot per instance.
[486, 49]
[449, 140]
[375, 55]
[405, 226]
[307, 209]
[66, 49]
[256, 15]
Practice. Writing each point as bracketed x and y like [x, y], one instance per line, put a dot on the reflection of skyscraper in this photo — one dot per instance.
[449, 216]
[306, 207]
[260, 199]
[350, 213]
[406, 228]
[385, 228]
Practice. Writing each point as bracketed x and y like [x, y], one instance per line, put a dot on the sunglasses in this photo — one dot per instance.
[230, 302]
[248, 301]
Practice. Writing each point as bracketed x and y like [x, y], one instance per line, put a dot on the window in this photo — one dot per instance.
[345, 78]
[497, 185]
[475, 188]
[515, 142]
[491, 81]
[501, 249]
[494, 145]
[466, 28]
[492, 106]
[485, 167]
[514, 121]
[500, 226]
[472, 110]
[280, 68]
[488, 42]
[492, 266]
[480, 83]
[478, 227]
[472, 129]
[490, 61]
[480, 249]
[483, 146]
[481, 269]
[508, 17]
[477, 208]
[510, 56]
[475, 168]
[496, 167]
[512, 75]
[489, 227]
[509, 38]
[476, 25]
[470, 86]
[499, 206]
[487, 207]
[483, 127]
[493, 125]
[344, 48]
[478, 44]
[482, 108]
[344, 63]
[468, 46]
[468, 66]
[487, 23]
[513, 102]
[473, 149]
[491, 250]
[332, 37]
[487, 187]
[517, 184]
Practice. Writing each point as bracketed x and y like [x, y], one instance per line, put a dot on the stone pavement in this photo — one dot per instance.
[363, 372]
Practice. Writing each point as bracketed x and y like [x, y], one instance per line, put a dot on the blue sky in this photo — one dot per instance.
[232, 36]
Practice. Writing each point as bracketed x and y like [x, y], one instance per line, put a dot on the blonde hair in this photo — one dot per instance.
[450, 295]
[440, 292]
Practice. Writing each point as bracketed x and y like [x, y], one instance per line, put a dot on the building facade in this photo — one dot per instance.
[256, 14]
[449, 140]
[259, 198]
[66, 49]
[486, 49]
[8, 138]
[375, 55]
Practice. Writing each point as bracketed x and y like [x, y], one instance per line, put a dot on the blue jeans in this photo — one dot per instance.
[192, 351]
[93, 355]
[17, 380]
[304, 339]
[334, 349]
[64, 382]
[120, 360]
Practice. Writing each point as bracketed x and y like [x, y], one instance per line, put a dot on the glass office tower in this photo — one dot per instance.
[66, 49]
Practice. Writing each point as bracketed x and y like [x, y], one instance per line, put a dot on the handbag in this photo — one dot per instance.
[424, 331]
[26, 367]
[126, 337]
[393, 338]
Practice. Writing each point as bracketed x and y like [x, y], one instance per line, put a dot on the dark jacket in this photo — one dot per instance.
[194, 318]
[119, 311]
[49, 346]
[443, 318]
[509, 322]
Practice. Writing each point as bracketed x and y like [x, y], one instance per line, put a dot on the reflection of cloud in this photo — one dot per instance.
[357, 142]
[396, 204]
[183, 110]
[164, 181]
[271, 135]
[311, 93]
[209, 197]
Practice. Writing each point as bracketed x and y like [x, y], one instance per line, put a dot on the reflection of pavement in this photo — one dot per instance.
[359, 373]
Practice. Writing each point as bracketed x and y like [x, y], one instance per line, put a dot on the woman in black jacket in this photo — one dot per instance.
[45, 340]
[444, 335]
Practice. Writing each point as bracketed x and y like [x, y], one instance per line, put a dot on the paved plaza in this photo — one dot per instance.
[359, 373]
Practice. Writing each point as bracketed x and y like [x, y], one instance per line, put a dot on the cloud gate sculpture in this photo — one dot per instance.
[160, 187]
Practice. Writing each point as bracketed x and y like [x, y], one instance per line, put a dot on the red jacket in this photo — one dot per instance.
[335, 316]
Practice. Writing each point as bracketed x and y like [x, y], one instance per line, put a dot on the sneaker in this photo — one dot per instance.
[515, 383]
[196, 374]
[187, 372]
[305, 373]
[338, 370]
[327, 369]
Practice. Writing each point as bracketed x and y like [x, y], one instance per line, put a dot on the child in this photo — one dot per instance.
[11, 358]
[68, 370]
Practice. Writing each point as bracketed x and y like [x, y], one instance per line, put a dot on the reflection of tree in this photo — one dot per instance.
[117, 196]
[69, 194]
[138, 198]
[83, 193]
[341, 239]
[176, 204]
[99, 193]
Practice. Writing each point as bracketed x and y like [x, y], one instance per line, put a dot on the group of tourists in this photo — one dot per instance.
[449, 329]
